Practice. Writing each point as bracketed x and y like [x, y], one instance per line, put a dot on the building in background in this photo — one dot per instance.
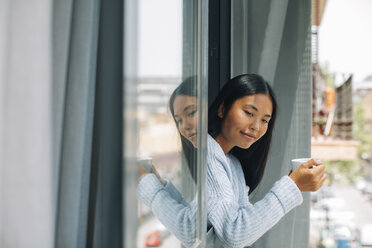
[319, 109]
[332, 112]
[341, 119]
[363, 92]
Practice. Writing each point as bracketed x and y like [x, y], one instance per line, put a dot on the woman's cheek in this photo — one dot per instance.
[195, 120]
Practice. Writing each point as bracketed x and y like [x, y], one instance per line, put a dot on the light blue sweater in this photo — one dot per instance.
[235, 221]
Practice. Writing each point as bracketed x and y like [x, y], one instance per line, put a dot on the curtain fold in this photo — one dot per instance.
[290, 72]
[60, 138]
[76, 92]
[105, 204]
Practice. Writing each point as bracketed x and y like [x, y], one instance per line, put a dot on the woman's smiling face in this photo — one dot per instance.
[246, 121]
[186, 117]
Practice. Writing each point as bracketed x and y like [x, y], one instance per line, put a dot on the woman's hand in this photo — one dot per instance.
[309, 176]
[153, 170]
[142, 171]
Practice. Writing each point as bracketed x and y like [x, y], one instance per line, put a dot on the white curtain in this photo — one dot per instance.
[26, 192]
[50, 124]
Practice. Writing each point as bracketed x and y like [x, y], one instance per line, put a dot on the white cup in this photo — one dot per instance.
[298, 161]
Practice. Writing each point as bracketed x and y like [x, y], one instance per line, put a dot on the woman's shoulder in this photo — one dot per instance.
[214, 148]
[233, 159]
[218, 163]
[211, 140]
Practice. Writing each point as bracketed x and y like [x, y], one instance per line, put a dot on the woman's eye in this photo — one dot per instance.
[192, 113]
[248, 113]
[178, 122]
[265, 121]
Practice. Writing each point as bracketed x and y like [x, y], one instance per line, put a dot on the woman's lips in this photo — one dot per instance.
[192, 136]
[248, 136]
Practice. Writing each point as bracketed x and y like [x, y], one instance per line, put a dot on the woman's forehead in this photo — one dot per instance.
[259, 102]
[181, 102]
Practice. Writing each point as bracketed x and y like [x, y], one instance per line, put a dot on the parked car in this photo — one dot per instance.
[366, 235]
[153, 239]
[367, 189]
[360, 184]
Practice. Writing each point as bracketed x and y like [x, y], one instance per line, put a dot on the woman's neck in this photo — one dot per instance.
[224, 143]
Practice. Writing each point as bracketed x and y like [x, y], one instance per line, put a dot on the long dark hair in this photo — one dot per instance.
[253, 160]
[187, 88]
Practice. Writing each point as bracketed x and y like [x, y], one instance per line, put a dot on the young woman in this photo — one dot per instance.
[241, 122]
[183, 105]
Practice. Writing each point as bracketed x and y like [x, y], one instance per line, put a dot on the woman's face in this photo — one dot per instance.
[246, 122]
[186, 117]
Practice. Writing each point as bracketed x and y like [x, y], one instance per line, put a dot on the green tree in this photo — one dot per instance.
[360, 132]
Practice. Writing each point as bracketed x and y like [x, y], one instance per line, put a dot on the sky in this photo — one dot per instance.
[160, 38]
[345, 37]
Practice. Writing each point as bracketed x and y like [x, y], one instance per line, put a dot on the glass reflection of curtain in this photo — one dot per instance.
[274, 40]
[280, 50]
[60, 147]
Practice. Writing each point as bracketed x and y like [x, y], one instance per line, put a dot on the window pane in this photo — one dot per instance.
[165, 135]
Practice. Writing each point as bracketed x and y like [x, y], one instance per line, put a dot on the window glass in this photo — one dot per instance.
[167, 112]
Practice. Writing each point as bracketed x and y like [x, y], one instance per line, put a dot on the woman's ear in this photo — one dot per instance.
[221, 109]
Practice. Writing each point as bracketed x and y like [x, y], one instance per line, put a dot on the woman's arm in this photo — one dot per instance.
[168, 205]
[241, 225]
[238, 224]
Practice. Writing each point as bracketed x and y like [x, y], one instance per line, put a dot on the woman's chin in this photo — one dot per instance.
[245, 145]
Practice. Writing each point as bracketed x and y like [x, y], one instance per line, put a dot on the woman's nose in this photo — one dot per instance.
[255, 124]
[186, 125]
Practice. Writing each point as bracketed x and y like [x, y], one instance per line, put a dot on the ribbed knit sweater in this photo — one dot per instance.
[236, 221]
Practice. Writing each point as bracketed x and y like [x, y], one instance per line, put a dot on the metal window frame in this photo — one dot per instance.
[202, 84]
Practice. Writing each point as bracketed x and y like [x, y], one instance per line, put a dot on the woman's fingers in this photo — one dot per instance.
[319, 168]
[310, 176]
[310, 163]
[153, 170]
[322, 180]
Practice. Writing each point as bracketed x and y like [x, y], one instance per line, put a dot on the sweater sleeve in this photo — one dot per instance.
[168, 205]
[239, 225]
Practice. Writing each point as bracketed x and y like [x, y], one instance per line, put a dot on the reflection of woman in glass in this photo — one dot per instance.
[240, 125]
[183, 105]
